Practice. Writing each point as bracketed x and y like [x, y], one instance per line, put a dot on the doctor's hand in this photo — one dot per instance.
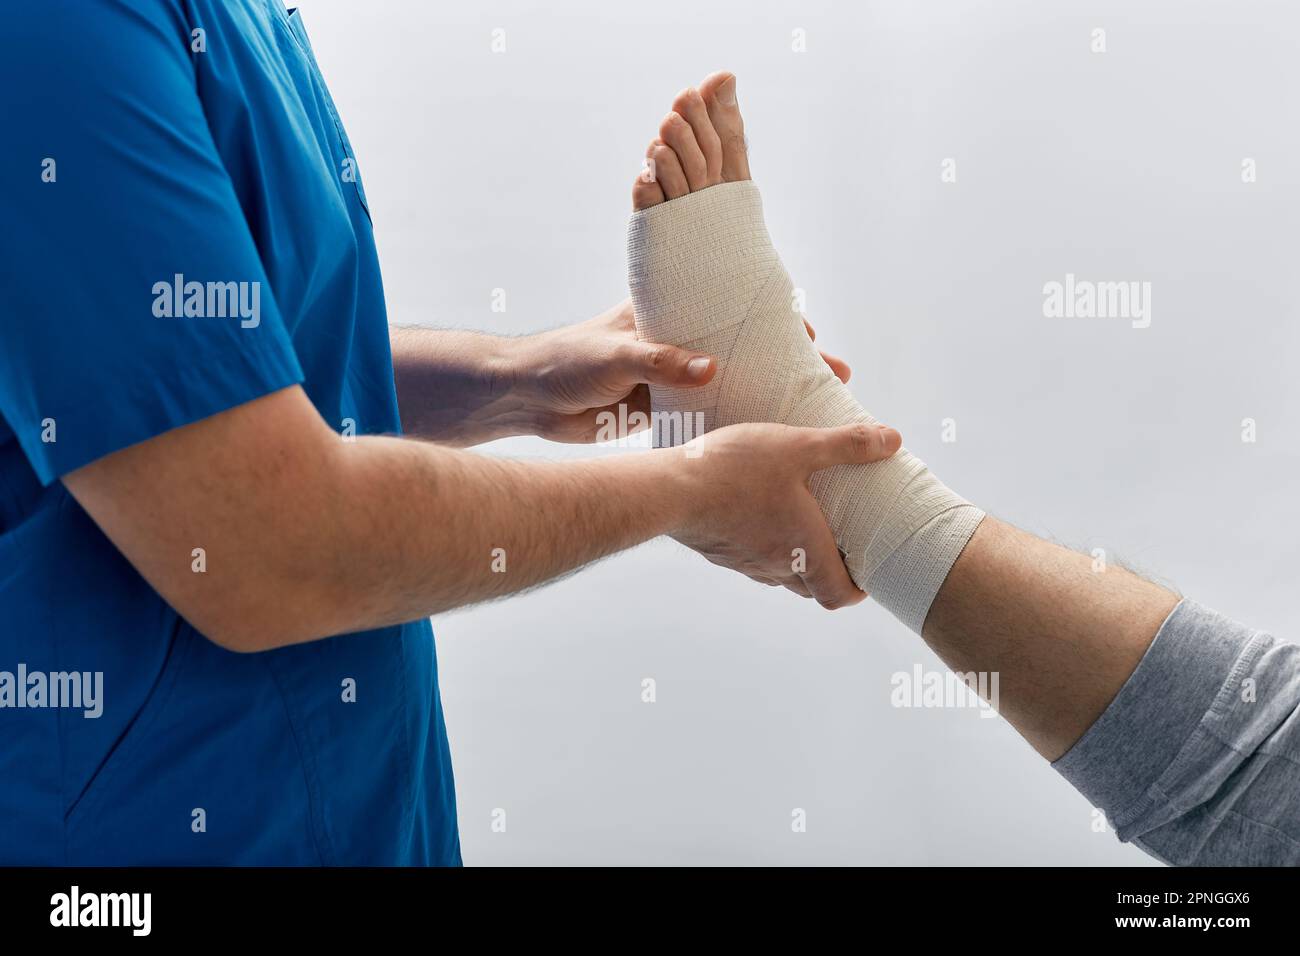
[569, 376]
[749, 508]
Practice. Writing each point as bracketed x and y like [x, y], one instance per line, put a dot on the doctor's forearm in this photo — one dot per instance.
[263, 529]
[463, 388]
[457, 387]
[433, 529]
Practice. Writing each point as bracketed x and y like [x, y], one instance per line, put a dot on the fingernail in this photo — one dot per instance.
[697, 367]
[727, 92]
[890, 436]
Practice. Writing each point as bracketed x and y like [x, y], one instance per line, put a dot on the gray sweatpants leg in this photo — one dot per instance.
[1197, 759]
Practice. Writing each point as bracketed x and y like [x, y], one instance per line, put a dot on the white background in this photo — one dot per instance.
[513, 171]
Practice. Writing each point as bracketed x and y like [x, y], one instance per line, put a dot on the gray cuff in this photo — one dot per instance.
[1158, 733]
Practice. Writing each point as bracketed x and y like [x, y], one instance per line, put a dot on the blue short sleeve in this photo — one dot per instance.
[135, 298]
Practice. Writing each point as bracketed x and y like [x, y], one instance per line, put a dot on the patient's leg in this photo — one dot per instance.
[705, 276]
[1166, 715]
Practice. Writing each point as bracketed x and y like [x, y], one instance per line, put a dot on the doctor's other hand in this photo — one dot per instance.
[571, 376]
[568, 377]
[749, 507]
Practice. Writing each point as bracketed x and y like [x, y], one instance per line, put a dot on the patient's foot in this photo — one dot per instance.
[705, 276]
[701, 143]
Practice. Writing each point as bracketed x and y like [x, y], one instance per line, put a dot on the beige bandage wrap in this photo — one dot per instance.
[705, 276]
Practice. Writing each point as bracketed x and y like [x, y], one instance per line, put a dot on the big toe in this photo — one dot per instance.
[719, 93]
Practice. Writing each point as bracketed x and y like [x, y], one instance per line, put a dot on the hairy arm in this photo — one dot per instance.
[462, 388]
[458, 387]
[1062, 637]
[305, 535]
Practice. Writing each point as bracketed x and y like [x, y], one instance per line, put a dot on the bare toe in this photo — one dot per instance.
[677, 133]
[689, 105]
[719, 93]
[667, 170]
[646, 191]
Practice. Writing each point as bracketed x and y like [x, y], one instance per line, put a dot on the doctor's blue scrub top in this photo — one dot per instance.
[154, 150]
